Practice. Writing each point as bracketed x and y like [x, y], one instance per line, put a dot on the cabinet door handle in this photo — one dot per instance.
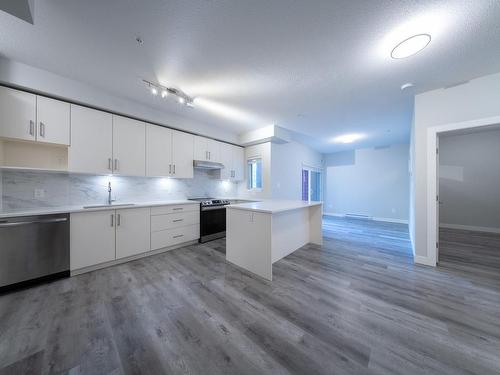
[32, 128]
[176, 221]
[42, 129]
[174, 168]
[116, 165]
[179, 235]
[209, 155]
[206, 155]
[110, 164]
[112, 220]
[178, 209]
[170, 169]
[119, 220]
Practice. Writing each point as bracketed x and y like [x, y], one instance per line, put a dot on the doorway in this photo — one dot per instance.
[463, 185]
[311, 184]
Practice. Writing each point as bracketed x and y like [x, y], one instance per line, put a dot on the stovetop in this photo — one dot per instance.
[210, 201]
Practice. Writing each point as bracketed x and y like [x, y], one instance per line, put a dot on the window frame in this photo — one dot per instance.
[257, 161]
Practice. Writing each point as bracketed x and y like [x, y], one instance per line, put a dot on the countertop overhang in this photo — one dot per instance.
[273, 206]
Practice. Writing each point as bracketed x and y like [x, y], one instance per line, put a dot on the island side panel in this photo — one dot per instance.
[248, 241]
[290, 231]
[316, 224]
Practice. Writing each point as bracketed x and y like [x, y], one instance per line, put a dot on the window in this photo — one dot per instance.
[254, 167]
[311, 184]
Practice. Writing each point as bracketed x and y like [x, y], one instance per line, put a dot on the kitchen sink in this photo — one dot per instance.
[109, 205]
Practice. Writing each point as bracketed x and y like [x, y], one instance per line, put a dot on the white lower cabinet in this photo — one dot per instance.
[171, 237]
[132, 231]
[92, 238]
[102, 236]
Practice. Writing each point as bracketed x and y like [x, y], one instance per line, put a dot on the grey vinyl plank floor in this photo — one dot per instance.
[356, 305]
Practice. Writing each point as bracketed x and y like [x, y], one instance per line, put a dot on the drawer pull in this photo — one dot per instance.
[178, 208]
[178, 236]
[176, 221]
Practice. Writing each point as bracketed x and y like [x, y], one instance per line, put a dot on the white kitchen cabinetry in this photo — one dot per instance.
[92, 238]
[158, 151]
[17, 114]
[53, 121]
[169, 152]
[132, 231]
[129, 147]
[206, 149]
[91, 141]
[182, 154]
[233, 159]
[172, 225]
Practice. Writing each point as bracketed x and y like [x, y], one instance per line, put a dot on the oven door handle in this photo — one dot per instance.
[213, 208]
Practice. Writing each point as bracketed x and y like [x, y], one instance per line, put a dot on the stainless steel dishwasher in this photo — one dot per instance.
[33, 249]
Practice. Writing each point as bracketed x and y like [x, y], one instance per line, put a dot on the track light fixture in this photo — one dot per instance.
[182, 97]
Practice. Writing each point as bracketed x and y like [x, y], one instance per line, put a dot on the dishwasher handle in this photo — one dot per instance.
[20, 223]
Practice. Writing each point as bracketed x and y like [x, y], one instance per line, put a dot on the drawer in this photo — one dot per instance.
[175, 208]
[171, 237]
[175, 220]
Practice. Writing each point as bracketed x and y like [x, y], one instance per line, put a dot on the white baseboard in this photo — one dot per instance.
[470, 227]
[418, 259]
[385, 219]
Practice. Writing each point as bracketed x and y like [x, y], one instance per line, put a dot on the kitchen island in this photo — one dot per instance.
[261, 233]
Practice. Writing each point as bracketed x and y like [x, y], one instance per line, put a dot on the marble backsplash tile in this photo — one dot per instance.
[17, 189]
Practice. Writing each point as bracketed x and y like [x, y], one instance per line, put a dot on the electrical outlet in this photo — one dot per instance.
[39, 193]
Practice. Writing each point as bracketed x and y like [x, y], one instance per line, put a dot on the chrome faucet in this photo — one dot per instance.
[110, 200]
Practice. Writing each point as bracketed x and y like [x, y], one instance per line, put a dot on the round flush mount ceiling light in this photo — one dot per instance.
[406, 86]
[411, 46]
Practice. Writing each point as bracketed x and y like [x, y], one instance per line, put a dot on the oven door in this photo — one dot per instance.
[212, 223]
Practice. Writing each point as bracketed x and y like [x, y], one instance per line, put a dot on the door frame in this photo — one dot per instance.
[310, 169]
[432, 177]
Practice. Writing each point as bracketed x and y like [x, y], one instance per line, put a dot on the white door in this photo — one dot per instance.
[129, 147]
[226, 158]
[92, 238]
[158, 151]
[132, 231]
[238, 163]
[213, 148]
[182, 154]
[17, 114]
[200, 148]
[91, 141]
[53, 121]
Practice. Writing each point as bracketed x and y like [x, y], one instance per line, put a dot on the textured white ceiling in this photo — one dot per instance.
[321, 68]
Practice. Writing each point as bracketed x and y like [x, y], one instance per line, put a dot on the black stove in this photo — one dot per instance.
[212, 218]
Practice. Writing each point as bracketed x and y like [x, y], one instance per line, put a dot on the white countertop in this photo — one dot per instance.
[273, 206]
[72, 209]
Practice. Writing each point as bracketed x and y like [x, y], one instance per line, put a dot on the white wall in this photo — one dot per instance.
[372, 182]
[287, 162]
[28, 77]
[469, 184]
[475, 100]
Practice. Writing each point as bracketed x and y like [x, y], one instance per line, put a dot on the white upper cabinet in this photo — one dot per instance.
[129, 147]
[17, 114]
[206, 149]
[53, 121]
[182, 154]
[238, 163]
[233, 159]
[158, 151]
[91, 141]
[133, 232]
[226, 158]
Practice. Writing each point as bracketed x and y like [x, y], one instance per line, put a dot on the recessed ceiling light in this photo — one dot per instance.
[348, 138]
[406, 86]
[411, 46]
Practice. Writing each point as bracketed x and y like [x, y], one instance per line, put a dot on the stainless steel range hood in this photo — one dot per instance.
[204, 164]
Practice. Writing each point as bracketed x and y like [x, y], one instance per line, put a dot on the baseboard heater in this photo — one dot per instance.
[357, 216]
